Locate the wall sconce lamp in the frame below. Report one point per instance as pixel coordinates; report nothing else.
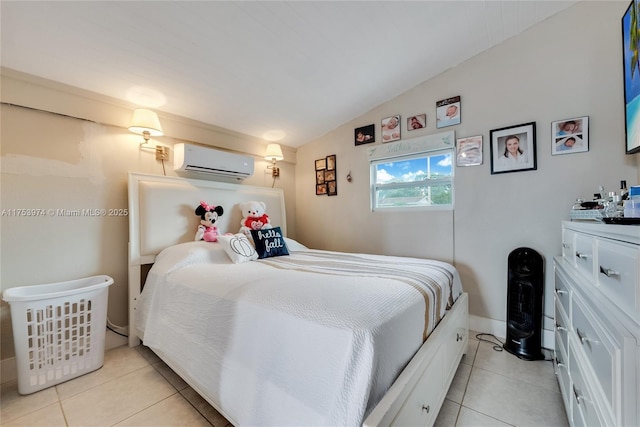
(146, 123)
(274, 153)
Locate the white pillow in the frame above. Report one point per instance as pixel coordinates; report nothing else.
(238, 247)
(190, 253)
(294, 245)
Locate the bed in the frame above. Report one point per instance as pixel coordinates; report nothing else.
(310, 338)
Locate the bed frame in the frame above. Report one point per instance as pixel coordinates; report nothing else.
(161, 214)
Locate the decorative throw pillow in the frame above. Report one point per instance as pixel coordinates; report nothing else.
(238, 247)
(269, 243)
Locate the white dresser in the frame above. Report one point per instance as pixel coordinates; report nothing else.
(597, 315)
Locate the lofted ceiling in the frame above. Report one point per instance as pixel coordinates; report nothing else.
(298, 67)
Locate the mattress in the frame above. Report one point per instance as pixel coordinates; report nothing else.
(313, 338)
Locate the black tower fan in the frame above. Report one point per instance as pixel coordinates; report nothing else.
(524, 304)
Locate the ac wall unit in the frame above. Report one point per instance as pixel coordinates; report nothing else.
(194, 158)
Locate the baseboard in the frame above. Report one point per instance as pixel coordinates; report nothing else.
(499, 328)
(113, 340)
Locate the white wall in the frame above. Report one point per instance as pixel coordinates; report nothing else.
(567, 66)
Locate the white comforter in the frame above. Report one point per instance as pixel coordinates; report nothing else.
(284, 341)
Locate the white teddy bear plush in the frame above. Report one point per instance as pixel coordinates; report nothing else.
(253, 217)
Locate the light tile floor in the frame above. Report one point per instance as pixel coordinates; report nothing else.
(135, 388)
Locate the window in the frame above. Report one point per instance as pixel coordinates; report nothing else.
(422, 180)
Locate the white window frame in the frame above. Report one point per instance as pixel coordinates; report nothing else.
(425, 147)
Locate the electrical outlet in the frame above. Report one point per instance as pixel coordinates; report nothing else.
(162, 153)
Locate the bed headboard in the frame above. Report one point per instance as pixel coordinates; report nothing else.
(161, 210)
(162, 213)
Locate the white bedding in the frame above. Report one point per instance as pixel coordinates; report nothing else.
(281, 341)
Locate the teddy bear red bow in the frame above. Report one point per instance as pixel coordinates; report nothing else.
(254, 217)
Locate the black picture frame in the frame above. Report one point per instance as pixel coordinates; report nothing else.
(502, 160)
(332, 188)
(330, 176)
(364, 134)
(631, 77)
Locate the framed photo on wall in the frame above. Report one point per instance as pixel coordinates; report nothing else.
(326, 182)
(570, 136)
(469, 151)
(332, 188)
(513, 148)
(416, 122)
(391, 129)
(330, 176)
(448, 112)
(365, 134)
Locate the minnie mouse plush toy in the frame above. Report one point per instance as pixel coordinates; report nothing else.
(208, 216)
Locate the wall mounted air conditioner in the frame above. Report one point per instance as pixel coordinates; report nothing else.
(194, 158)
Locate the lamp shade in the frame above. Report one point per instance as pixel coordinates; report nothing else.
(145, 120)
(273, 153)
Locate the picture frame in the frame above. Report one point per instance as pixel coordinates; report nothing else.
(326, 182)
(570, 136)
(364, 134)
(331, 162)
(391, 128)
(469, 151)
(329, 175)
(332, 188)
(631, 78)
(504, 158)
(448, 112)
(418, 121)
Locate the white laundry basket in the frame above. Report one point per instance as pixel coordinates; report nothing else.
(58, 330)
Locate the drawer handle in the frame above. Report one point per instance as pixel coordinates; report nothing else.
(581, 256)
(459, 337)
(608, 272)
(561, 328)
(584, 339)
(559, 363)
(426, 408)
(575, 393)
(561, 292)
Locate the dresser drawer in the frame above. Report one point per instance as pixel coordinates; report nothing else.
(457, 340)
(618, 275)
(602, 354)
(584, 255)
(569, 246)
(584, 412)
(561, 366)
(562, 325)
(420, 407)
(562, 292)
